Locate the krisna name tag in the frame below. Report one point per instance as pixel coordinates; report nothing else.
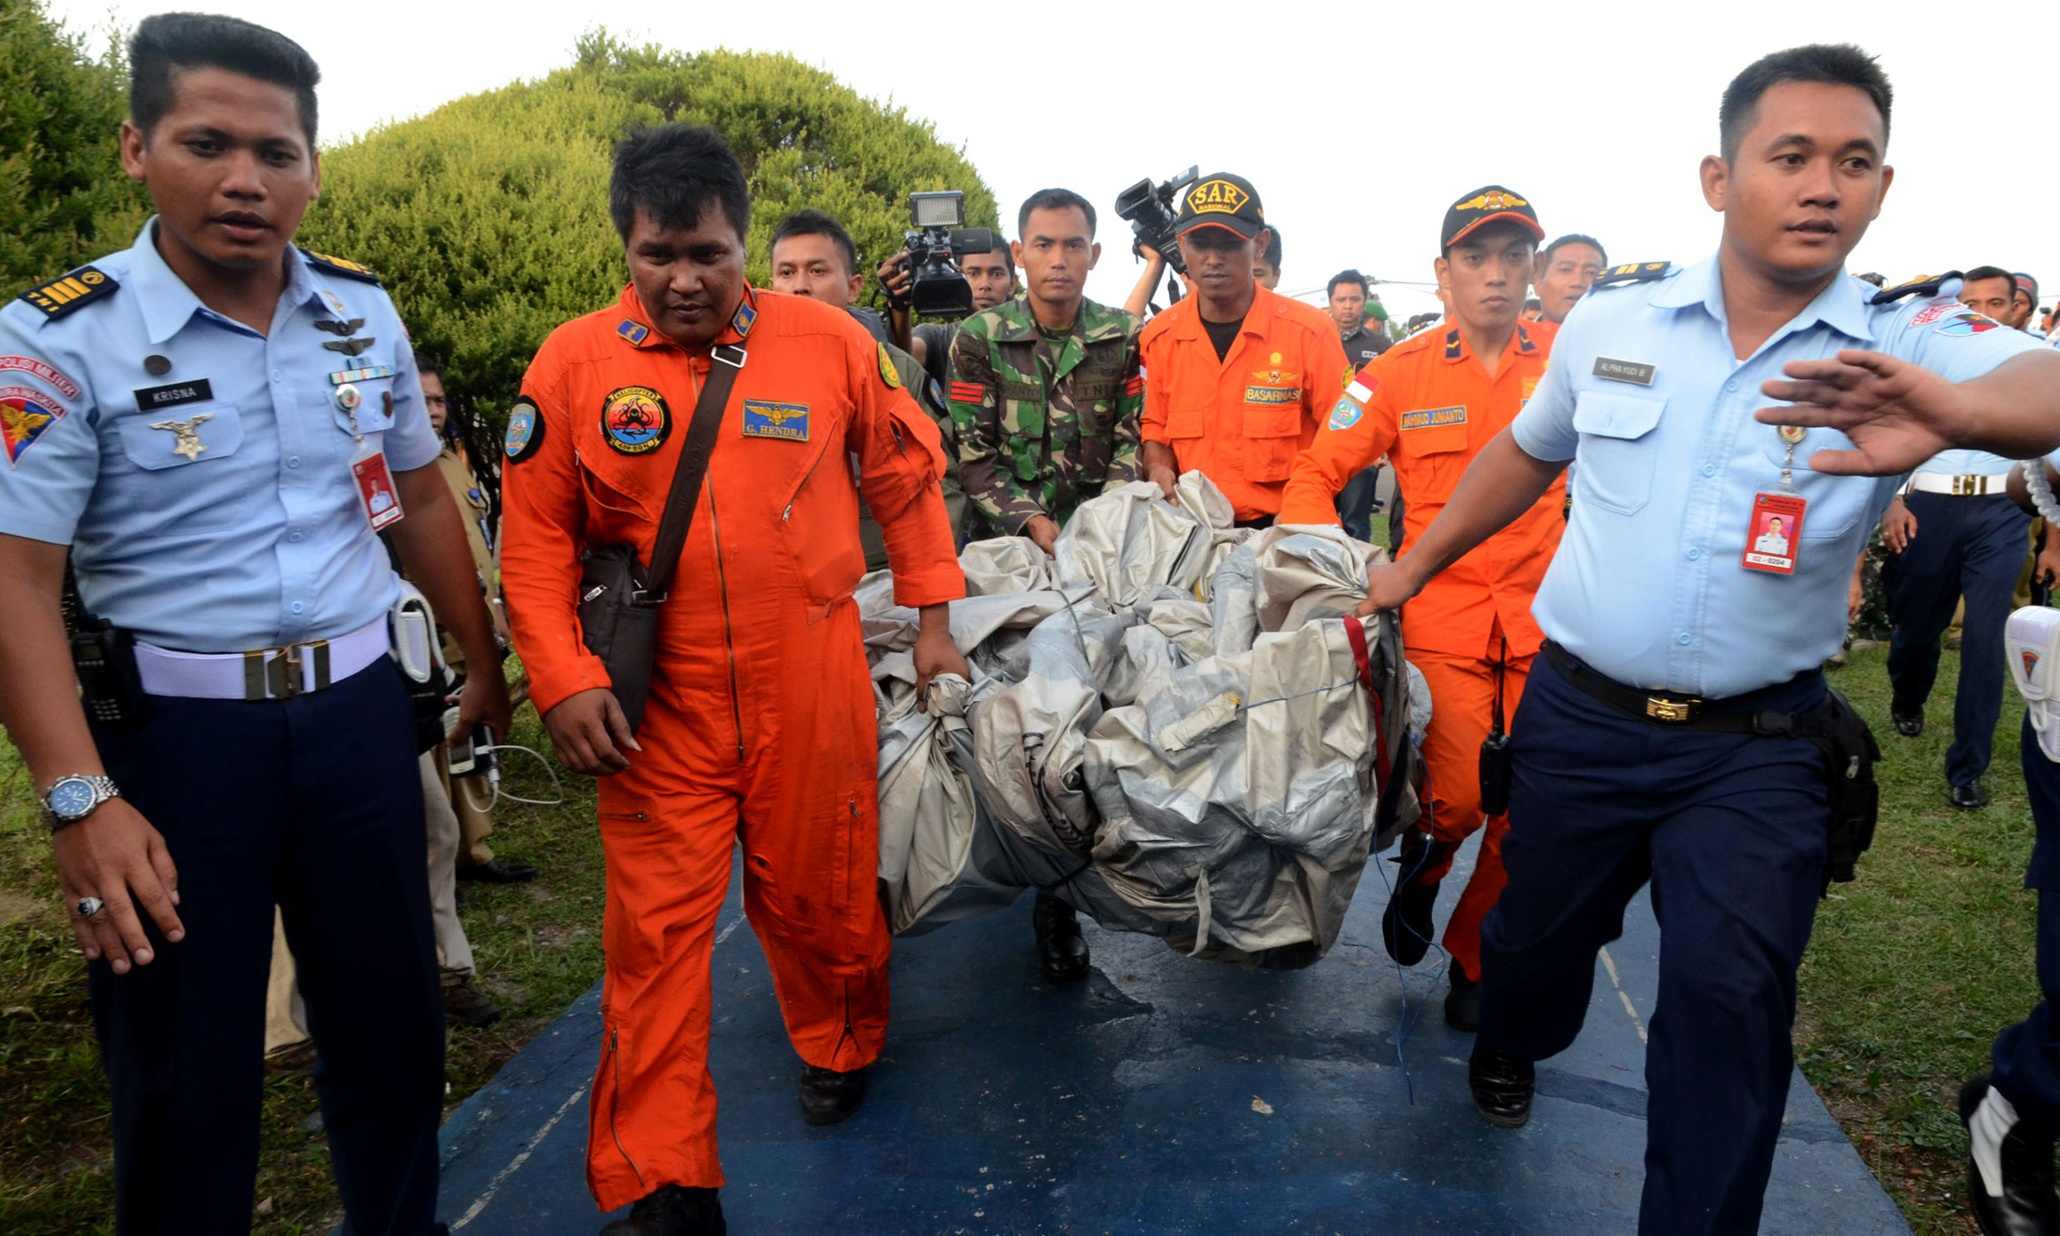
(1774, 533)
(382, 502)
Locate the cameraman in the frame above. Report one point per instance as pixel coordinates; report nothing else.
(813, 256)
(1046, 395)
(1237, 376)
(991, 275)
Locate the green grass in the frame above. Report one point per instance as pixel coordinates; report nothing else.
(538, 948)
(1912, 971)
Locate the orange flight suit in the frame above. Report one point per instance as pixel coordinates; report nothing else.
(1241, 420)
(1430, 406)
(760, 723)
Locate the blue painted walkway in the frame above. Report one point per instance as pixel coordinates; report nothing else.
(1160, 1096)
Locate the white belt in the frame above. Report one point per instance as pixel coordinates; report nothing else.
(1958, 486)
(262, 673)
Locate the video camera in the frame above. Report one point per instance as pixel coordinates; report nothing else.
(1150, 210)
(937, 288)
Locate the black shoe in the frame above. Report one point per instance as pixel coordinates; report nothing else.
(2026, 1205)
(1061, 949)
(1909, 725)
(1405, 927)
(1969, 797)
(1502, 1086)
(1463, 1002)
(828, 1096)
(498, 871)
(466, 1005)
(673, 1210)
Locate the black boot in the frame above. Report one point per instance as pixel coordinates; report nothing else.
(1406, 926)
(2023, 1202)
(828, 1096)
(1502, 1086)
(1463, 1002)
(672, 1210)
(1061, 949)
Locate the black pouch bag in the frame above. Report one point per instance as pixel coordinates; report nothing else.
(1850, 753)
(620, 597)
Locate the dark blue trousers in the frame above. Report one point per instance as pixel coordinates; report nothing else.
(1355, 504)
(1730, 830)
(2027, 1055)
(1971, 547)
(313, 804)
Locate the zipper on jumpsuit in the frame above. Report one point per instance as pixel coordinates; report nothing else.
(615, 1102)
(722, 579)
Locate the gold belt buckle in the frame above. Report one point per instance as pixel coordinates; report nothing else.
(1668, 710)
(1968, 486)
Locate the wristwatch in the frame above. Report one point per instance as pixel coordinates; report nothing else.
(73, 798)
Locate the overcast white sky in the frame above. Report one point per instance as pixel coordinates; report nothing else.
(1358, 122)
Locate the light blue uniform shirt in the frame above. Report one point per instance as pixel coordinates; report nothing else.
(257, 538)
(1649, 586)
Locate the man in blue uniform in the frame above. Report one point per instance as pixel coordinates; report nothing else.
(2012, 1113)
(1953, 533)
(213, 422)
(1654, 739)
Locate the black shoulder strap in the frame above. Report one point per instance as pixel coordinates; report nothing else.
(724, 363)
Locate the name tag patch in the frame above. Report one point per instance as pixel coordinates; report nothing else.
(1624, 371)
(153, 398)
(765, 418)
(1433, 418)
(1273, 394)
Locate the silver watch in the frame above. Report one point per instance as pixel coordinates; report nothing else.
(73, 798)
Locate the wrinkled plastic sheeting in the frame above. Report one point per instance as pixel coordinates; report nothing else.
(1005, 564)
(1129, 541)
(1238, 802)
(1306, 573)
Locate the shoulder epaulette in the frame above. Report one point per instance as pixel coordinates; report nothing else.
(339, 266)
(71, 290)
(1923, 285)
(1630, 272)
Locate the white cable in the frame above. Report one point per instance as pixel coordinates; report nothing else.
(2040, 489)
(501, 795)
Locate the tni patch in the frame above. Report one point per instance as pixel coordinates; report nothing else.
(635, 420)
(1433, 418)
(525, 430)
(765, 418)
(25, 416)
(1967, 323)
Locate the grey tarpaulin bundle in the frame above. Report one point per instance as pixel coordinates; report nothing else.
(1175, 726)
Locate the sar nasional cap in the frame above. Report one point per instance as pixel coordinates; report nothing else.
(1221, 200)
(1484, 206)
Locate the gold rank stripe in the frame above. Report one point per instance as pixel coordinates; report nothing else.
(68, 292)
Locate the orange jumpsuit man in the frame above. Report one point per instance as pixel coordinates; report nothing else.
(760, 725)
(1236, 376)
(1430, 404)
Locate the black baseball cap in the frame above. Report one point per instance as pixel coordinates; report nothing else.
(1484, 206)
(1221, 200)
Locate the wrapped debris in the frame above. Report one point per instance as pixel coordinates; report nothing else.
(1176, 726)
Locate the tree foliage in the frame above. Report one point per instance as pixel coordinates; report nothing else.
(488, 220)
(64, 199)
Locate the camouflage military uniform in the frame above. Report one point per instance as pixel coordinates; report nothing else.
(930, 398)
(1043, 423)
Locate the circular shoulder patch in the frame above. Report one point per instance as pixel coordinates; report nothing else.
(1345, 414)
(888, 373)
(635, 420)
(525, 430)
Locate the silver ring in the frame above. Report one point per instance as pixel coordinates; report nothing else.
(89, 906)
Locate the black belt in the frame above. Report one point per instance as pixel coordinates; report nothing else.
(1685, 712)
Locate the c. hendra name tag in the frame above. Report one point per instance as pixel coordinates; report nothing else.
(769, 418)
(1624, 371)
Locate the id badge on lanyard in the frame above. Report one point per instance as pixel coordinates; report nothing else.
(368, 470)
(1773, 534)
